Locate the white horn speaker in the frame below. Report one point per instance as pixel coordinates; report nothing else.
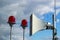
(36, 24)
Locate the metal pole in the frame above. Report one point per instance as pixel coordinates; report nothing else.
(10, 33)
(55, 13)
(53, 27)
(55, 30)
(54, 22)
(23, 33)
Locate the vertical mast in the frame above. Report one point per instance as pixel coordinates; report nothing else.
(54, 22)
(55, 13)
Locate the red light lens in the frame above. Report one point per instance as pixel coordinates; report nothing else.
(11, 19)
(24, 22)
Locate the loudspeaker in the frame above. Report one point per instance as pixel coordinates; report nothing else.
(36, 24)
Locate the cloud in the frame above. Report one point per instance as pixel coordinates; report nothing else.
(43, 10)
(7, 2)
(2, 20)
(17, 32)
(58, 20)
(22, 9)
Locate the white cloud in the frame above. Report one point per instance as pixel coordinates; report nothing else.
(23, 9)
(17, 32)
(42, 9)
(42, 1)
(19, 8)
(57, 11)
(58, 20)
(57, 4)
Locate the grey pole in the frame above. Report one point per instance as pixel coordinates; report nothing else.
(23, 34)
(54, 30)
(54, 23)
(53, 27)
(55, 13)
(10, 33)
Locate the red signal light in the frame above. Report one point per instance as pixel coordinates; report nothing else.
(24, 23)
(11, 19)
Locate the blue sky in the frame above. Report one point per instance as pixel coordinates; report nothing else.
(22, 9)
